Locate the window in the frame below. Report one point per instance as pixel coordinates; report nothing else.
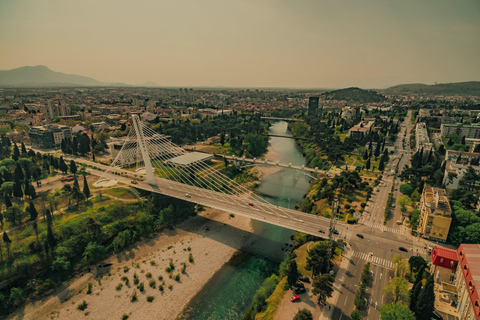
(441, 261)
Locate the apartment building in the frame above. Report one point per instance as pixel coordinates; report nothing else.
(471, 131)
(421, 137)
(454, 172)
(49, 136)
(467, 281)
(435, 216)
(444, 264)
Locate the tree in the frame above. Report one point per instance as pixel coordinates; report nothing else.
(94, 252)
(17, 190)
(16, 296)
(416, 263)
(400, 265)
(426, 300)
(397, 289)
(292, 273)
(403, 200)
(317, 258)
(303, 314)
(395, 311)
(51, 241)
(8, 202)
(16, 152)
(323, 287)
(367, 164)
(365, 155)
(75, 183)
(33, 212)
(67, 190)
(73, 167)
(356, 315)
(381, 165)
(86, 189)
(413, 295)
(60, 264)
(406, 189)
(77, 195)
(13, 214)
(7, 241)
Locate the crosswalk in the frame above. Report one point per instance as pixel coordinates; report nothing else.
(373, 260)
(382, 227)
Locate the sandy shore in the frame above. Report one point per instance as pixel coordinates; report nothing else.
(271, 155)
(212, 238)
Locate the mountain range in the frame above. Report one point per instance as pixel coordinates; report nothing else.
(42, 76)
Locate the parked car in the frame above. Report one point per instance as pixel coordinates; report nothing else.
(300, 290)
(304, 279)
(295, 298)
(250, 204)
(335, 231)
(403, 249)
(360, 235)
(133, 182)
(321, 231)
(299, 285)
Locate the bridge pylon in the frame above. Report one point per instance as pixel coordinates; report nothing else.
(142, 145)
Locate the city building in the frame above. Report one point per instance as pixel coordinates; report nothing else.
(471, 131)
(363, 127)
(454, 172)
(313, 105)
(444, 262)
(99, 126)
(466, 157)
(57, 110)
(49, 136)
(435, 214)
(468, 282)
(421, 137)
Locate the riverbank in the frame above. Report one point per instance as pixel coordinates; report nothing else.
(265, 170)
(212, 238)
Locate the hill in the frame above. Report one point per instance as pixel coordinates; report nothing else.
(353, 95)
(42, 75)
(457, 88)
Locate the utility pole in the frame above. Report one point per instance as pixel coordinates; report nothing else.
(333, 222)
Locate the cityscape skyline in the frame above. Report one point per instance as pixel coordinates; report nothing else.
(271, 44)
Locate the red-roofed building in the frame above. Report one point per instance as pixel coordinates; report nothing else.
(444, 263)
(468, 282)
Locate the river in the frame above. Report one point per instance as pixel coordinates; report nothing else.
(229, 293)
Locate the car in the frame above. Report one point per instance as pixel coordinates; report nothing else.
(299, 285)
(304, 279)
(402, 249)
(335, 231)
(378, 190)
(300, 290)
(360, 235)
(188, 195)
(133, 182)
(321, 231)
(295, 298)
(250, 204)
(67, 178)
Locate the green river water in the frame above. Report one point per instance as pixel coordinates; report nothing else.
(229, 293)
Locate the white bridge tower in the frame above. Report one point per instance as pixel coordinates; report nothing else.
(143, 148)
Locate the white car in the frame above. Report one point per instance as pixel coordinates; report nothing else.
(188, 195)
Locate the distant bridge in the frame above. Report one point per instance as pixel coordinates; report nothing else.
(288, 137)
(283, 119)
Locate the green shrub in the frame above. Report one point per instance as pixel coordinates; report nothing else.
(125, 269)
(125, 279)
(184, 267)
(168, 270)
(153, 263)
(170, 287)
(125, 317)
(82, 306)
(141, 287)
(152, 283)
(177, 277)
(172, 266)
(160, 287)
(134, 296)
(89, 290)
(148, 275)
(150, 298)
(190, 258)
(160, 278)
(119, 287)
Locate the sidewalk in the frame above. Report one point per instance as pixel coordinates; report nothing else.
(337, 286)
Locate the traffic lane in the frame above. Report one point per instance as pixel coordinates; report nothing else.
(344, 305)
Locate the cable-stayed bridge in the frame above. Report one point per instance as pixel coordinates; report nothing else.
(167, 169)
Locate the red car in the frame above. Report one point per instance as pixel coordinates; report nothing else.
(250, 204)
(295, 298)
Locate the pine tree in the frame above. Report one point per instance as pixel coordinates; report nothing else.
(33, 212)
(86, 189)
(381, 165)
(463, 140)
(367, 164)
(17, 190)
(16, 152)
(93, 157)
(426, 300)
(50, 237)
(7, 241)
(413, 294)
(8, 202)
(73, 167)
(292, 273)
(24, 150)
(18, 173)
(75, 183)
(377, 149)
(365, 155)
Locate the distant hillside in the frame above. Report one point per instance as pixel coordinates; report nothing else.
(353, 95)
(457, 88)
(41, 75)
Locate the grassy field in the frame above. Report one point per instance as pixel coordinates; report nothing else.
(122, 193)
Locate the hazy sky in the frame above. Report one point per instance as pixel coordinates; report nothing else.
(267, 43)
